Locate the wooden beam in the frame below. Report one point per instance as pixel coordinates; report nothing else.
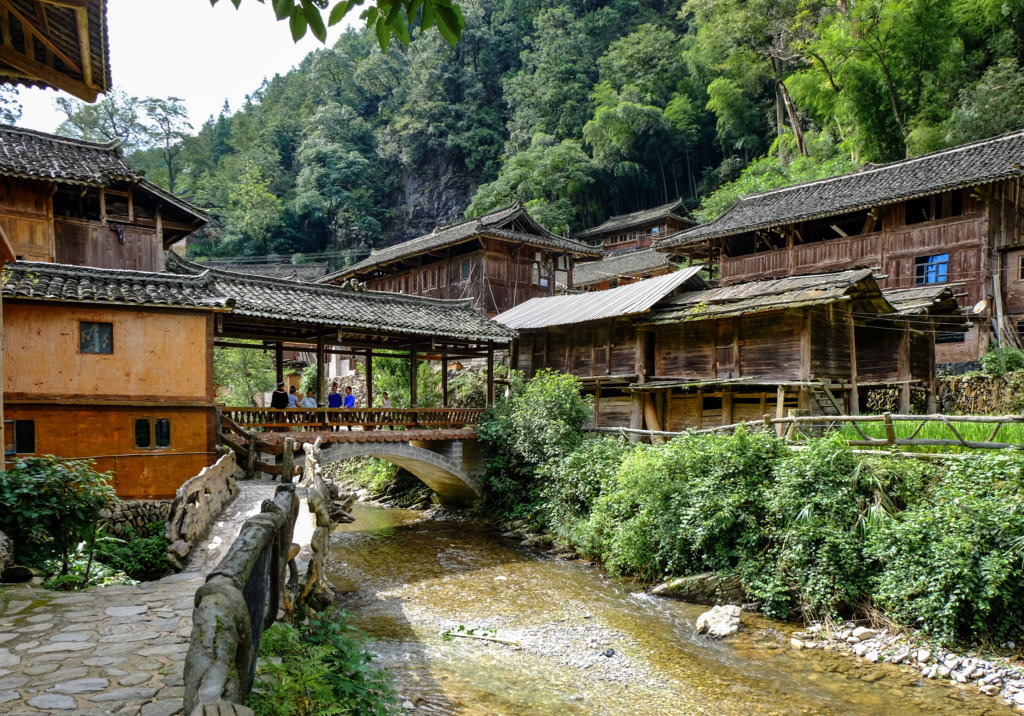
(279, 362)
(84, 47)
(31, 31)
(369, 377)
(444, 381)
(852, 339)
(490, 374)
(319, 370)
(413, 402)
(903, 368)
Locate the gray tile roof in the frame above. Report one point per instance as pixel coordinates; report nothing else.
(513, 223)
(629, 300)
(295, 272)
(621, 221)
(348, 309)
(626, 264)
(932, 298)
(60, 282)
(771, 295)
(968, 165)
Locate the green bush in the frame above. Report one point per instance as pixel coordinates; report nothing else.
(48, 505)
(318, 668)
(141, 557)
(541, 421)
(953, 562)
(1002, 360)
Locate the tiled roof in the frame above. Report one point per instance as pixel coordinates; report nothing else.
(673, 208)
(771, 295)
(627, 264)
(60, 282)
(932, 298)
(968, 165)
(629, 300)
(296, 272)
(345, 308)
(37, 155)
(508, 223)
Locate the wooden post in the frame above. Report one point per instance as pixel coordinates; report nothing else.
(288, 460)
(279, 361)
(636, 415)
(804, 401)
(444, 381)
(490, 373)
(854, 392)
(369, 377)
(780, 402)
(320, 357)
(597, 404)
(931, 405)
(903, 369)
(890, 432)
(250, 463)
(413, 370)
(726, 408)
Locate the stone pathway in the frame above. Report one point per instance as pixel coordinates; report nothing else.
(111, 650)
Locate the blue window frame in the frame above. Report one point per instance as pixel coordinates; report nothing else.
(931, 269)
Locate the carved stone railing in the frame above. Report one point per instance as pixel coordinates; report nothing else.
(238, 601)
(196, 506)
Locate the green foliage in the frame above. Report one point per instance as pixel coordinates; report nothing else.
(319, 668)
(245, 373)
(541, 421)
(48, 505)
(391, 376)
(142, 557)
(1002, 360)
(952, 563)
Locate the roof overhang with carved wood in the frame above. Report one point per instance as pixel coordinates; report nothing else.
(60, 44)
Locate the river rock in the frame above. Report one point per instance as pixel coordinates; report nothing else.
(705, 588)
(863, 633)
(923, 655)
(16, 573)
(720, 622)
(6, 551)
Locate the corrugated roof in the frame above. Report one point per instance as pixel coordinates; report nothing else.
(354, 310)
(627, 264)
(673, 208)
(771, 295)
(501, 223)
(959, 167)
(635, 298)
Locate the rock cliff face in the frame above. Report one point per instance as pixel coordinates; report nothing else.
(429, 195)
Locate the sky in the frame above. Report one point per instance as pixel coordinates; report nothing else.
(188, 49)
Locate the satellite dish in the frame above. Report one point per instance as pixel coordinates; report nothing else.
(980, 306)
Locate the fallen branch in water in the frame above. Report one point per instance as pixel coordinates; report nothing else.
(484, 633)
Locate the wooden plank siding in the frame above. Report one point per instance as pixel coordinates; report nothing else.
(26, 216)
(90, 243)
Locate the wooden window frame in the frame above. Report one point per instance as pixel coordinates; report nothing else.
(81, 327)
(1020, 267)
(11, 433)
(925, 265)
(152, 420)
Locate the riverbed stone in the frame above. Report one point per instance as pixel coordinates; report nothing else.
(165, 707)
(923, 655)
(705, 588)
(81, 686)
(6, 696)
(720, 622)
(126, 611)
(53, 702)
(126, 694)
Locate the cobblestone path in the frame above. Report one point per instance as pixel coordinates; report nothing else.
(112, 650)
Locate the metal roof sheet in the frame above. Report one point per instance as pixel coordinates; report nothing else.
(637, 297)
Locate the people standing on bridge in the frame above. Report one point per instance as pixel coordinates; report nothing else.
(350, 402)
(279, 401)
(333, 402)
(385, 402)
(309, 402)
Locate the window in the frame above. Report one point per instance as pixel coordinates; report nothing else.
(1020, 269)
(425, 281)
(405, 282)
(950, 338)
(655, 230)
(152, 433)
(444, 275)
(433, 278)
(19, 437)
(931, 269)
(466, 266)
(95, 337)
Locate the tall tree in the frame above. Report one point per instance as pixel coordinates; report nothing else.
(169, 128)
(116, 117)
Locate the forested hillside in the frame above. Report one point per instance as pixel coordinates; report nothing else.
(583, 109)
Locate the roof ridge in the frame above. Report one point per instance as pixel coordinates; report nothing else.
(76, 269)
(113, 145)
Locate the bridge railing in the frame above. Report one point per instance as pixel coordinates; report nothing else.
(352, 418)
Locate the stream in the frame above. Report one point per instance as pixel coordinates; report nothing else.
(590, 644)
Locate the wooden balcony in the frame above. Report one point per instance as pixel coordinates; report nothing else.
(325, 419)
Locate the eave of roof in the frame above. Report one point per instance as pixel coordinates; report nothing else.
(619, 221)
(629, 300)
(628, 264)
(973, 164)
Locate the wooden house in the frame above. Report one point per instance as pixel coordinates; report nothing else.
(111, 365)
(700, 356)
(621, 270)
(639, 229)
(498, 260)
(951, 218)
(74, 202)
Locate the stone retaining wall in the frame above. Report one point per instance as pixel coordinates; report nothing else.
(133, 516)
(979, 394)
(196, 506)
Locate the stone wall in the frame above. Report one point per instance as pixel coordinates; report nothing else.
(979, 394)
(196, 506)
(133, 516)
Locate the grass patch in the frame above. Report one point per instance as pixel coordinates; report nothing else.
(972, 432)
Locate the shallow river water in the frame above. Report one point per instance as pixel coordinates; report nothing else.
(590, 644)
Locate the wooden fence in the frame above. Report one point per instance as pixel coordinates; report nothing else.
(352, 418)
(798, 427)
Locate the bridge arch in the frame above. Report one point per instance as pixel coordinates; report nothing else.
(446, 475)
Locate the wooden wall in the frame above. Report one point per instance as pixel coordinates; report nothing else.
(592, 349)
(877, 353)
(26, 216)
(90, 243)
(105, 434)
(157, 354)
(830, 343)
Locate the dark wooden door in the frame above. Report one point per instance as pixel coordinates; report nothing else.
(725, 349)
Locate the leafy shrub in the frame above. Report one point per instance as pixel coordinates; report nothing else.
(953, 562)
(141, 557)
(48, 505)
(688, 506)
(1002, 360)
(318, 668)
(541, 421)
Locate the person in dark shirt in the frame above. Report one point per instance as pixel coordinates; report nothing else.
(279, 401)
(333, 401)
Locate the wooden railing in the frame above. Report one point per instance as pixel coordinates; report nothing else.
(351, 418)
(798, 427)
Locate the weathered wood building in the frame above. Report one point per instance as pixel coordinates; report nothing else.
(639, 229)
(621, 269)
(952, 218)
(696, 356)
(498, 260)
